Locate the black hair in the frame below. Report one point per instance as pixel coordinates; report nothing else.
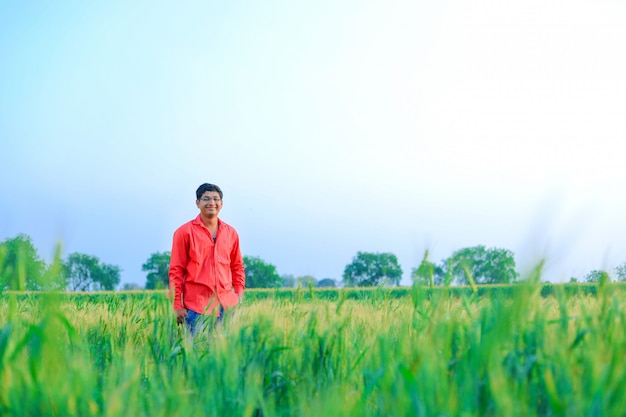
(208, 187)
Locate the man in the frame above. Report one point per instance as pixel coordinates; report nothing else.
(206, 268)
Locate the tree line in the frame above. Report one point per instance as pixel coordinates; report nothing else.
(21, 268)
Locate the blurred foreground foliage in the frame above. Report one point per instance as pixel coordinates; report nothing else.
(520, 350)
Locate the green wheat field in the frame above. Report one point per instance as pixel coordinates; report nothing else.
(519, 352)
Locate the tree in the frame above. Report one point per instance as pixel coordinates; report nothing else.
(485, 266)
(81, 271)
(54, 277)
(86, 273)
(326, 283)
(21, 268)
(371, 269)
(597, 275)
(109, 277)
(260, 274)
(426, 272)
(620, 272)
(157, 267)
(305, 280)
(130, 286)
(289, 281)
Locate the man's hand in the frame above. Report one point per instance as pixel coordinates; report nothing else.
(181, 315)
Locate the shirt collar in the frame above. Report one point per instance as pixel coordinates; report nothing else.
(198, 221)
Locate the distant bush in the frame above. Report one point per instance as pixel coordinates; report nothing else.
(332, 294)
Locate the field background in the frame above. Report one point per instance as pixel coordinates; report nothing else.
(515, 350)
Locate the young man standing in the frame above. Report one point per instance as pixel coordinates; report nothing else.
(206, 268)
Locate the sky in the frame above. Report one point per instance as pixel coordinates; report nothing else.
(332, 126)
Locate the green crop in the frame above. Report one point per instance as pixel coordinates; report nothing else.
(516, 351)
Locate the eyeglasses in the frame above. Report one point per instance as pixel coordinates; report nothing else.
(208, 199)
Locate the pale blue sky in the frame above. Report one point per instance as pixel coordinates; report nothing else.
(332, 127)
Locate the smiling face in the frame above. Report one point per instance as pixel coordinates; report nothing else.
(210, 203)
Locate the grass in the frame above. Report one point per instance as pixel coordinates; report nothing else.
(425, 354)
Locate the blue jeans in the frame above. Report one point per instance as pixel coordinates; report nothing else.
(193, 319)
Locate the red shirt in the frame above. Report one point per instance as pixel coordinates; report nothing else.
(204, 273)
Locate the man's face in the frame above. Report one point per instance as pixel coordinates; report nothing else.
(210, 203)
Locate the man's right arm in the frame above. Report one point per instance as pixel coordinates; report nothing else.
(178, 266)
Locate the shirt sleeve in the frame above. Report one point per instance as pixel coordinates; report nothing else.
(178, 266)
(237, 268)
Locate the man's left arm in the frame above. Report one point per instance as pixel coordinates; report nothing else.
(237, 268)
